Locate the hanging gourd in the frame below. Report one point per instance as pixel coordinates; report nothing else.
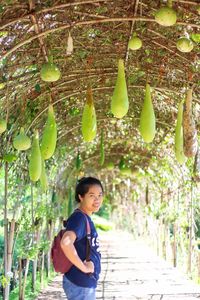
(69, 45)
(166, 16)
(43, 177)
(49, 71)
(78, 162)
(189, 129)
(22, 142)
(124, 169)
(102, 152)
(119, 103)
(147, 118)
(3, 125)
(89, 123)
(179, 136)
(35, 163)
(184, 44)
(49, 137)
(135, 42)
(110, 165)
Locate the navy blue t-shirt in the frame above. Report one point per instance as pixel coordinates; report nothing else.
(77, 223)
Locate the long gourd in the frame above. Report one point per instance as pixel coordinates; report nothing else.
(147, 118)
(35, 163)
(49, 137)
(120, 103)
(179, 136)
(89, 122)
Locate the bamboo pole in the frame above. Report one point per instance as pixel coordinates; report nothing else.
(10, 243)
(7, 287)
(191, 230)
(24, 281)
(42, 270)
(175, 246)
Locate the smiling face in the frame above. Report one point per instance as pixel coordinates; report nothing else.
(92, 200)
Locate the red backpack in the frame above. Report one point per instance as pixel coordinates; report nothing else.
(60, 262)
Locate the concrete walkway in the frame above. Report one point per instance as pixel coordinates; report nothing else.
(131, 271)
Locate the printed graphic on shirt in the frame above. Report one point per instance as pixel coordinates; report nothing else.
(95, 243)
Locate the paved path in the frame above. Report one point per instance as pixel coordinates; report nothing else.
(131, 271)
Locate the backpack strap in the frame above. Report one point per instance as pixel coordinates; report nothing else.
(88, 235)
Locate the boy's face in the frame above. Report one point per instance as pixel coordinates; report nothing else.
(92, 200)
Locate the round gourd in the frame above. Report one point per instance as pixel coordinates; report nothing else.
(3, 125)
(120, 103)
(35, 163)
(126, 171)
(135, 43)
(184, 44)
(110, 165)
(49, 137)
(49, 71)
(2, 85)
(166, 16)
(22, 141)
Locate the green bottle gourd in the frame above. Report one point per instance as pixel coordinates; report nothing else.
(179, 152)
(147, 118)
(35, 163)
(43, 177)
(49, 137)
(22, 142)
(78, 162)
(49, 71)
(89, 123)
(120, 103)
(3, 125)
(102, 152)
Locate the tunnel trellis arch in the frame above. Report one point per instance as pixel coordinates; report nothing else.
(100, 31)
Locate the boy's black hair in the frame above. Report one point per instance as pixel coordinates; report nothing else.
(84, 184)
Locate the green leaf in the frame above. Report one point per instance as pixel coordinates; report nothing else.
(38, 88)
(195, 37)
